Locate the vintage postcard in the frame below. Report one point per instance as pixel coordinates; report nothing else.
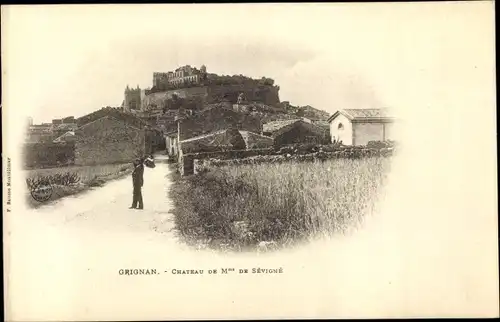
(249, 161)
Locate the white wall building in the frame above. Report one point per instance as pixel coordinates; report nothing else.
(359, 126)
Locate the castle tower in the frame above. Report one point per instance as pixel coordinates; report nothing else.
(132, 99)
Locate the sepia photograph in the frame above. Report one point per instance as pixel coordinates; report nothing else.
(249, 161)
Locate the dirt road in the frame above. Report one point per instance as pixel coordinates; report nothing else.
(105, 209)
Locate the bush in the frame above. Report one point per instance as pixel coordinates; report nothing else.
(380, 144)
(64, 179)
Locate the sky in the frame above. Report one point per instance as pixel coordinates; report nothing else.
(71, 60)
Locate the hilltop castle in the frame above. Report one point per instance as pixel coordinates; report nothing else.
(184, 74)
(188, 81)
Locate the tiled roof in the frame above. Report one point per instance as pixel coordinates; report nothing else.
(66, 126)
(103, 118)
(115, 113)
(67, 134)
(367, 113)
(274, 126)
(204, 136)
(363, 114)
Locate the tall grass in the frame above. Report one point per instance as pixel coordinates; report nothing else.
(242, 206)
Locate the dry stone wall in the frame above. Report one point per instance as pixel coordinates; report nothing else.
(43, 155)
(200, 165)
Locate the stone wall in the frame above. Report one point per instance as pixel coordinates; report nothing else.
(266, 94)
(195, 162)
(44, 155)
(201, 164)
(108, 140)
(210, 94)
(159, 98)
(187, 161)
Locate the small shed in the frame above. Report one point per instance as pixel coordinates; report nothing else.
(359, 126)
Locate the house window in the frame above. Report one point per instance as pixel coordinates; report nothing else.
(341, 126)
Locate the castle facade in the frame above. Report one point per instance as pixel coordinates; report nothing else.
(184, 74)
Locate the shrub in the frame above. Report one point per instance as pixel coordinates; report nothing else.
(64, 179)
(380, 144)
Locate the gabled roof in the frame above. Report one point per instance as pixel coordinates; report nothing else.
(274, 126)
(228, 139)
(367, 114)
(66, 127)
(216, 119)
(111, 118)
(67, 134)
(277, 128)
(204, 136)
(115, 113)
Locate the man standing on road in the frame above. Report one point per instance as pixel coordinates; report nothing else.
(138, 181)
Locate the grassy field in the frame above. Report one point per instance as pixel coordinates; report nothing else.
(89, 176)
(244, 206)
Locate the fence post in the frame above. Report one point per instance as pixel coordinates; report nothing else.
(187, 165)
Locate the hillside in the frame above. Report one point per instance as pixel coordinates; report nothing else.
(308, 112)
(270, 113)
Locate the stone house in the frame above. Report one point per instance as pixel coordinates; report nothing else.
(359, 126)
(108, 140)
(295, 131)
(37, 133)
(66, 137)
(217, 119)
(60, 129)
(222, 140)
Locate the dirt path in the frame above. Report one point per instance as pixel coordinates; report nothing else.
(105, 209)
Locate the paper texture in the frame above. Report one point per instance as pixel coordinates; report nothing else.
(430, 250)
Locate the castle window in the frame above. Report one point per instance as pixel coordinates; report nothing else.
(341, 126)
